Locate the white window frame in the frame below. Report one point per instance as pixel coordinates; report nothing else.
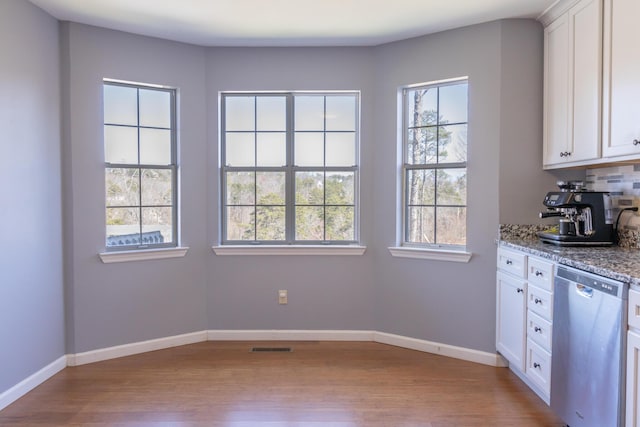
(145, 250)
(406, 248)
(289, 245)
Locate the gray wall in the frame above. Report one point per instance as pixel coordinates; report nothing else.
(325, 292)
(31, 285)
(113, 304)
(442, 301)
(439, 301)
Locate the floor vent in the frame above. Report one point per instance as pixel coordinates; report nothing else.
(271, 349)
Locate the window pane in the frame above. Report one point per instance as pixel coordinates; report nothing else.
(123, 226)
(270, 223)
(309, 149)
(309, 113)
(272, 113)
(453, 103)
(420, 225)
(157, 225)
(341, 149)
(155, 147)
(309, 223)
(421, 146)
(120, 145)
(122, 185)
(340, 187)
(155, 108)
(240, 149)
(270, 188)
(452, 226)
(452, 187)
(340, 223)
(341, 113)
(240, 221)
(240, 113)
(272, 149)
(240, 188)
(120, 105)
(420, 187)
(422, 107)
(309, 188)
(452, 144)
(157, 187)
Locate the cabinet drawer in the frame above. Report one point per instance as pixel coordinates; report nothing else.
(539, 330)
(513, 262)
(540, 273)
(634, 309)
(540, 302)
(539, 366)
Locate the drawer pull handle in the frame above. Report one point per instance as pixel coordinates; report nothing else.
(520, 290)
(536, 365)
(537, 329)
(538, 301)
(509, 262)
(538, 273)
(636, 142)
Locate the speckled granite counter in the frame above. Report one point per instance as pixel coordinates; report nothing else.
(614, 262)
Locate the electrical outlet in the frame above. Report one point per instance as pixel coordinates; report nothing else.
(282, 296)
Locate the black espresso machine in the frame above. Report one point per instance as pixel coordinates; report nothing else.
(585, 217)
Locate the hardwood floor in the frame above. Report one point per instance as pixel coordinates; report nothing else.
(317, 384)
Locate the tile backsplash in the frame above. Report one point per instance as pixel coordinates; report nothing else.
(623, 182)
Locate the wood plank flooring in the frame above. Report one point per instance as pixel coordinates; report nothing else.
(317, 384)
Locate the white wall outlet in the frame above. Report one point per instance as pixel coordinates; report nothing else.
(282, 296)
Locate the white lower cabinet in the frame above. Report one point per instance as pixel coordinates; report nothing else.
(633, 361)
(524, 316)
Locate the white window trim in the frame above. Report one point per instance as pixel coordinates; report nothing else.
(340, 250)
(431, 254)
(142, 254)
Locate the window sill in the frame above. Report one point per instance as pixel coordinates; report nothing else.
(288, 250)
(142, 255)
(432, 254)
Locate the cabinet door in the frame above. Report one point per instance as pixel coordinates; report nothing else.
(511, 322)
(585, 74)
(621, 79)
(633, 380)
(573, 77)
(556, 89)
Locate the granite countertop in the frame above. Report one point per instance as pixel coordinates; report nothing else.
(617, 263)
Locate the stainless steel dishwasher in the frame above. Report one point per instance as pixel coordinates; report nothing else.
(588, 349)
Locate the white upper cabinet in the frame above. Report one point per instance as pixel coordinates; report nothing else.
(621, 90)
(572, 82)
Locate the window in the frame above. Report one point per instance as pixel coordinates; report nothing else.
(435, 164)
(140, 166)
(289, 168)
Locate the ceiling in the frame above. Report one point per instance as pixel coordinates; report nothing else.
(288, 22)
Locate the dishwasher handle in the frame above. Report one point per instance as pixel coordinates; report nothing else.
(584, 291)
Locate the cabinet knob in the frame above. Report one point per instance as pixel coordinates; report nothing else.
(538, 273)
(537, 301)
(509, 262)
(536, 365)
(636, 142)
(537, 329)
(519, 290)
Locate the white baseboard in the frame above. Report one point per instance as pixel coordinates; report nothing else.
(462, 353)
(288, 335)
(135, 348)
(31, 382)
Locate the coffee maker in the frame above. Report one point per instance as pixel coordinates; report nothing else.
(585, 217)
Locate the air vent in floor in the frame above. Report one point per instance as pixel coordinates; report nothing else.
(271, 349)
